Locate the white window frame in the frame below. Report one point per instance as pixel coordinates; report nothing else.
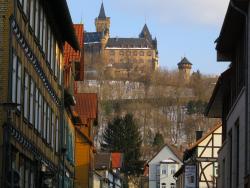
(19, 84)
(49, 43)
(44, 32)
(52, 56)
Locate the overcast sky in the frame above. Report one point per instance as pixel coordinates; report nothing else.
(182, 27)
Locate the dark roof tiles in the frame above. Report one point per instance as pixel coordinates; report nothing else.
(92, 37)
(102, 14)
(128, 43)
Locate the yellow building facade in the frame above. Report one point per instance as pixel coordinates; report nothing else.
(32, 36)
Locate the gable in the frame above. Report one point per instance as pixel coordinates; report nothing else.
(164, 154)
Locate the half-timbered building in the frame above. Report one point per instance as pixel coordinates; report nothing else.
(32, 36)
(201, 161)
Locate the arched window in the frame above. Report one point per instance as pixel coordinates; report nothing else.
(172, 185)
(163, 185)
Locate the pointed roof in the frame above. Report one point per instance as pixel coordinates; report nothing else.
(145, 33)
(102, 14)
(184, 61)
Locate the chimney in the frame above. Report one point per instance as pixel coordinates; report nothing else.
(198, 135)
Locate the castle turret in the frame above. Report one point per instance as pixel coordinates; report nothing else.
(102, 22)
(145, 33)
(185, 67)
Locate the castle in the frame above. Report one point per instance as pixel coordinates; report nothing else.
(118, 58)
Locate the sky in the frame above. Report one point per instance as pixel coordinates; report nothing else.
(182, 27)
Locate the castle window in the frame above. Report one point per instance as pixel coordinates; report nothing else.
(128, 53)
(121, 52)
(111, 52)
(141, 53)
(149, 53)
(135, 53)
(111, 61)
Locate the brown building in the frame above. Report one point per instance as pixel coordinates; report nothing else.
(32, 36)
(118, 58)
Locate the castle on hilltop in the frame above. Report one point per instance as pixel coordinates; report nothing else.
(118, 58)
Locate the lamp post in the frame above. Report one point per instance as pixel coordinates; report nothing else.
(7, 166)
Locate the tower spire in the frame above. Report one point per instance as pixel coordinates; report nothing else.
(102, 14)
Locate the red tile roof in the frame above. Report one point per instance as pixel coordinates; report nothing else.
(86, 106)
(69, 53)
(116, 160)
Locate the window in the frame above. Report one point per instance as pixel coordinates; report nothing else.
(41, 27)
(60, 69)
(44, 33)
(19, 83)
(14, 73)
(135, 53)
(52, 130)
(172, 185)
(40, 113)
(16, 80)
(112, 52)
(37, 18)
(163, 185)
(44, 118)
(57, 134)
(36, 108)
(26, 94)
(149, 53)
(31, 21)
(57, 60)
(141, 53)
(164, 170)
(121, 53)
(172, 169)
(52, 57)
(31, 97)
(48, 123)
(49, 43)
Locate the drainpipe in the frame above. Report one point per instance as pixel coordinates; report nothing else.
(247, 120)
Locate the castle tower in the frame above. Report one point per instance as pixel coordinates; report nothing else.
(145, 33)
(102, 23)
(185, 67)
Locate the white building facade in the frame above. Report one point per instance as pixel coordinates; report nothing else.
(163, 166)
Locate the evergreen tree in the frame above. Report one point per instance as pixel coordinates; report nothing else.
(122, 135)
(158, 140)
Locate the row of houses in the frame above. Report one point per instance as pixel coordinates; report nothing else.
(46, 126)
(197, 166)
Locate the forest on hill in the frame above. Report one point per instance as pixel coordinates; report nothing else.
(167, 108)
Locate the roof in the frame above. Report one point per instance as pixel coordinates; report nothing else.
(214, 107)
(117, 160)
(102, 161)
(86, 105)
(92, 37)
(70, 54)
(184, 61)
(58, 12)
(102, 14)
(231, 29)
(128, 43)
(179, 172)
(173, 149)
(218, 125)
(145, 33)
